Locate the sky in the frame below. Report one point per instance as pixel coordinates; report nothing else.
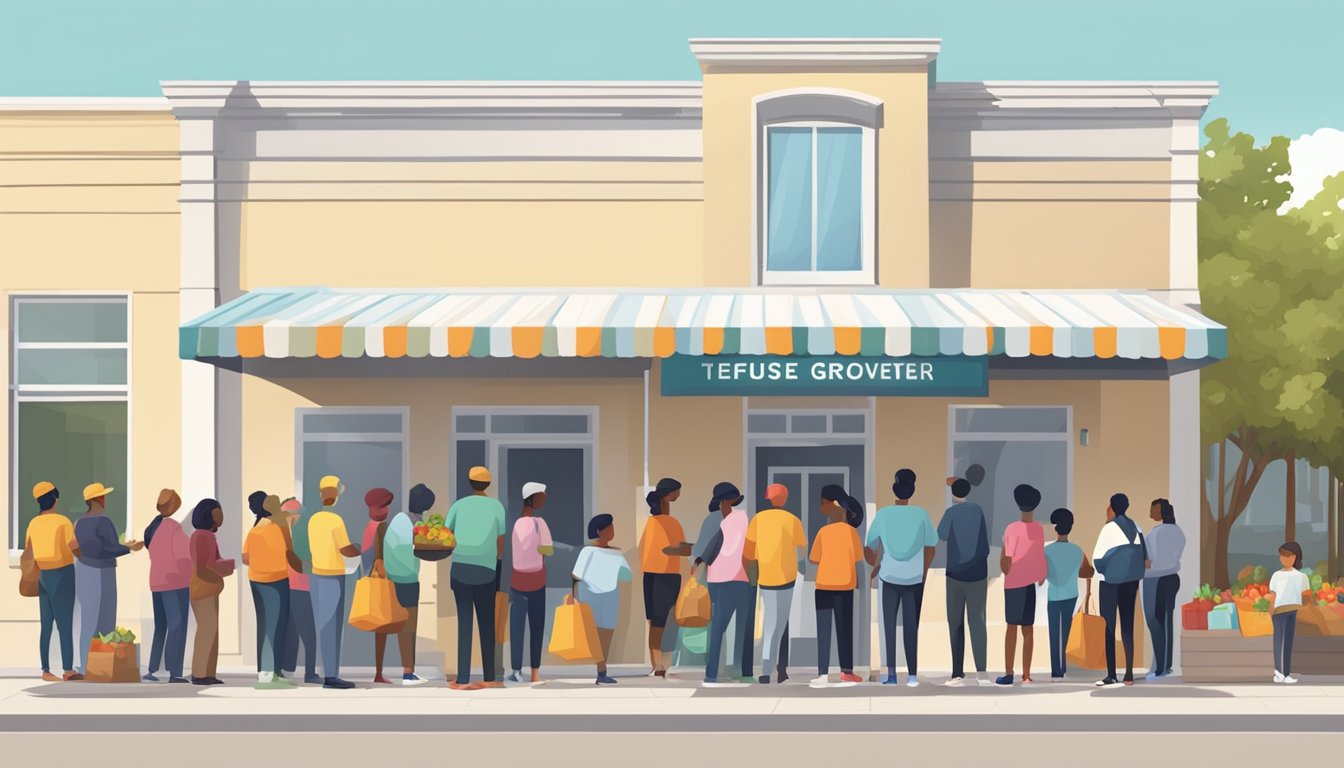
(1275, 62)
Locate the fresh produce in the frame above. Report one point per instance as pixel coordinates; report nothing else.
(430, 533)
(115, 637)
(1261, 605)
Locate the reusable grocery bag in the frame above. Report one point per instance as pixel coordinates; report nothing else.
(28, 573)
(573, 632)
(112, 662)
(1254, 623)
(1087, 637)
(693, 606)
(1223, 616)
(374, 606)
(1195, 615)
(501, 617)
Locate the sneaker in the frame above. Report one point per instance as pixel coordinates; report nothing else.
(889, 680)
(955, 682)
(912, 682)
(178, 680)
(851, 678)
(716, 684)
(312, 679)
(412, 679)
(275, 684)
(1056, 679)
(200, 680)
(516, 676)
(1109, 682)
(984, 681)
(604, 679)
(337, 684)
(1004, 681)
(1290, 680)
(150, 678)
(1278, 676)
(823, 681)
(763, 679)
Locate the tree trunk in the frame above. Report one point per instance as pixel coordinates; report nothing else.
(1222, 535)
(1290, 502)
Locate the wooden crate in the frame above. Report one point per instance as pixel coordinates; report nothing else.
(1224, 656)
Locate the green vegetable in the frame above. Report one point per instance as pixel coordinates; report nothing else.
(1261, 605)
(1316, 582)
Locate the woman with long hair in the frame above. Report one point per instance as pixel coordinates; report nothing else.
(267, 553)
(1161, 581)
(837, 551)
(662, 549)
(208, 571)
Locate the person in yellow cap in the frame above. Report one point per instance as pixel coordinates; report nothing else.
(328, 544)
(50, 544)
(477, 521)
(96, 567)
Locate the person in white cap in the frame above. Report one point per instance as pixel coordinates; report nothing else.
(530, 544)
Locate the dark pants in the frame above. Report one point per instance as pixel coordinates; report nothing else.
(837, 605)
(1059, 618)
(1285, 629)
(966, 612)
(529, 607)
(728, 600)
(56, 607)
(904, 600)
(1119, 598)
(481, 598)
(171, 609)
(271, 601)
(1159, 609)
(301, 630)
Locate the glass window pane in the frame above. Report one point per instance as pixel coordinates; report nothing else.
(473, 424)
(515, 424)
(71, 445)
(839, 199)
(68, 321)
(352, 423)
(470, 453)
(848, 423)
(71, 366)
(767, 422)
(811, 424)
(789, 218)
(1012, 420)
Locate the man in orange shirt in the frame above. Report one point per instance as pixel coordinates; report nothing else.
(776, 540)
(50, 544)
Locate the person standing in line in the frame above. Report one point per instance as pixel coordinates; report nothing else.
(268, 555)
(661, 551)
(1285, 600)
(730, 589)
(208, 571)
(377, 501)
(776, 542)
(837, 551)
(1165, 544)
(477, 521)
(49, 543)
(1119, 557)
(532, 543)
(906, 542)
(964, 529)
(170, 588)
(329, 545)
(395, 558)
(1065, 564)
(301, 630)
(1024, 569)
(598, 573)
(96, 568)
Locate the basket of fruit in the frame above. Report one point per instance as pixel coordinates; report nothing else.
(432, 540)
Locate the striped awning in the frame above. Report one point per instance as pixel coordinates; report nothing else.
(324, 323)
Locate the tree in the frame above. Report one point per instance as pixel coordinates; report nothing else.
(1273, 281)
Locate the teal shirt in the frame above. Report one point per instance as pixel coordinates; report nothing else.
(399, 559)
(477, 522)
(903, 532)
(1062, 561)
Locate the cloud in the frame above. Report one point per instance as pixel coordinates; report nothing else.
(1314, 157)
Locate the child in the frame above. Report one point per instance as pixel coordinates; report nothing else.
(1023, 565)
(597, 574)
(836, 551)
(1285, 598)
(1065, 563)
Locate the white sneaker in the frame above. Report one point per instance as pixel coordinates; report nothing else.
(1290, 680)
(955, 682)
(1056, 679)
(985, 682)
(912, 682)
(820, 682)
(1278, 676)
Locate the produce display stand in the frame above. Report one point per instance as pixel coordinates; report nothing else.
(1224, 656)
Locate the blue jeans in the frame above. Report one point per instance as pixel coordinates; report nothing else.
(271, 601)
(1059, 618)
(301, 630)
(171, 608)
(526, 608)
(56, 606)
(328, 595)
(905, 599)
(1159, 612)
(729, 599)
(96, 592)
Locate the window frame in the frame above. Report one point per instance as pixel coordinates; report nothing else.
(66, 393)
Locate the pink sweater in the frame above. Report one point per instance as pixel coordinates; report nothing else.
(169, 558)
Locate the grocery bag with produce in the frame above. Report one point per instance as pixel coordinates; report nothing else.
(374, 606)
(693, 608)
(1255, 619)
(113, 658)
(1087, 637)
(574, 632)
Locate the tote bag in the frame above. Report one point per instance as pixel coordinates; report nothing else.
(1087, 637)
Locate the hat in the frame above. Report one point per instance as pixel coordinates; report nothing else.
(95, 490)
(291, 505)
(723, 492)
(479, 474)
(775, 490)
(330, 481)
(377, 498)
(531, 489)
(42, 489)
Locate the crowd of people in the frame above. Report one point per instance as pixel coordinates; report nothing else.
(298, 559)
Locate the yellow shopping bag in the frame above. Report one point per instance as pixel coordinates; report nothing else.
(1087, 638)
(374, 606)
(573, 633)
(693, 607)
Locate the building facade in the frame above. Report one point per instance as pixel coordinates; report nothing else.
(247, 285)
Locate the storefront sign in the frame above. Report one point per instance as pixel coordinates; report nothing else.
(763, 375)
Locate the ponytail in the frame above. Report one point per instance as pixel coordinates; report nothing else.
(853, 509)
(665, 487)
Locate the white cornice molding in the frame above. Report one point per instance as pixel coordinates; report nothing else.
(1027, 98)
(813, 54)
(105, 104)
(243, 98)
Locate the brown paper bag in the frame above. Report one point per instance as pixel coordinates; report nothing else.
(113, 662)
(693, 606)
(501, 617)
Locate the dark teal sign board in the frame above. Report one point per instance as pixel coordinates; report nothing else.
(767, 375)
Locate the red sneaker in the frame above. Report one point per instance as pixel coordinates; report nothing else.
(850, 677)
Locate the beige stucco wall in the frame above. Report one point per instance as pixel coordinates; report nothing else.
(902, 171)
(89, 204)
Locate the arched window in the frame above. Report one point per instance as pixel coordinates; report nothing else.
(816, 171)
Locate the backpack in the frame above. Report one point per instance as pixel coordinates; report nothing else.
(1125, 563)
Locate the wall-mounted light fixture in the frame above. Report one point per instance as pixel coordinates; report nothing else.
(1083, 437)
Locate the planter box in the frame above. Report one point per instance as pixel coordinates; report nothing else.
(1224, 656)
